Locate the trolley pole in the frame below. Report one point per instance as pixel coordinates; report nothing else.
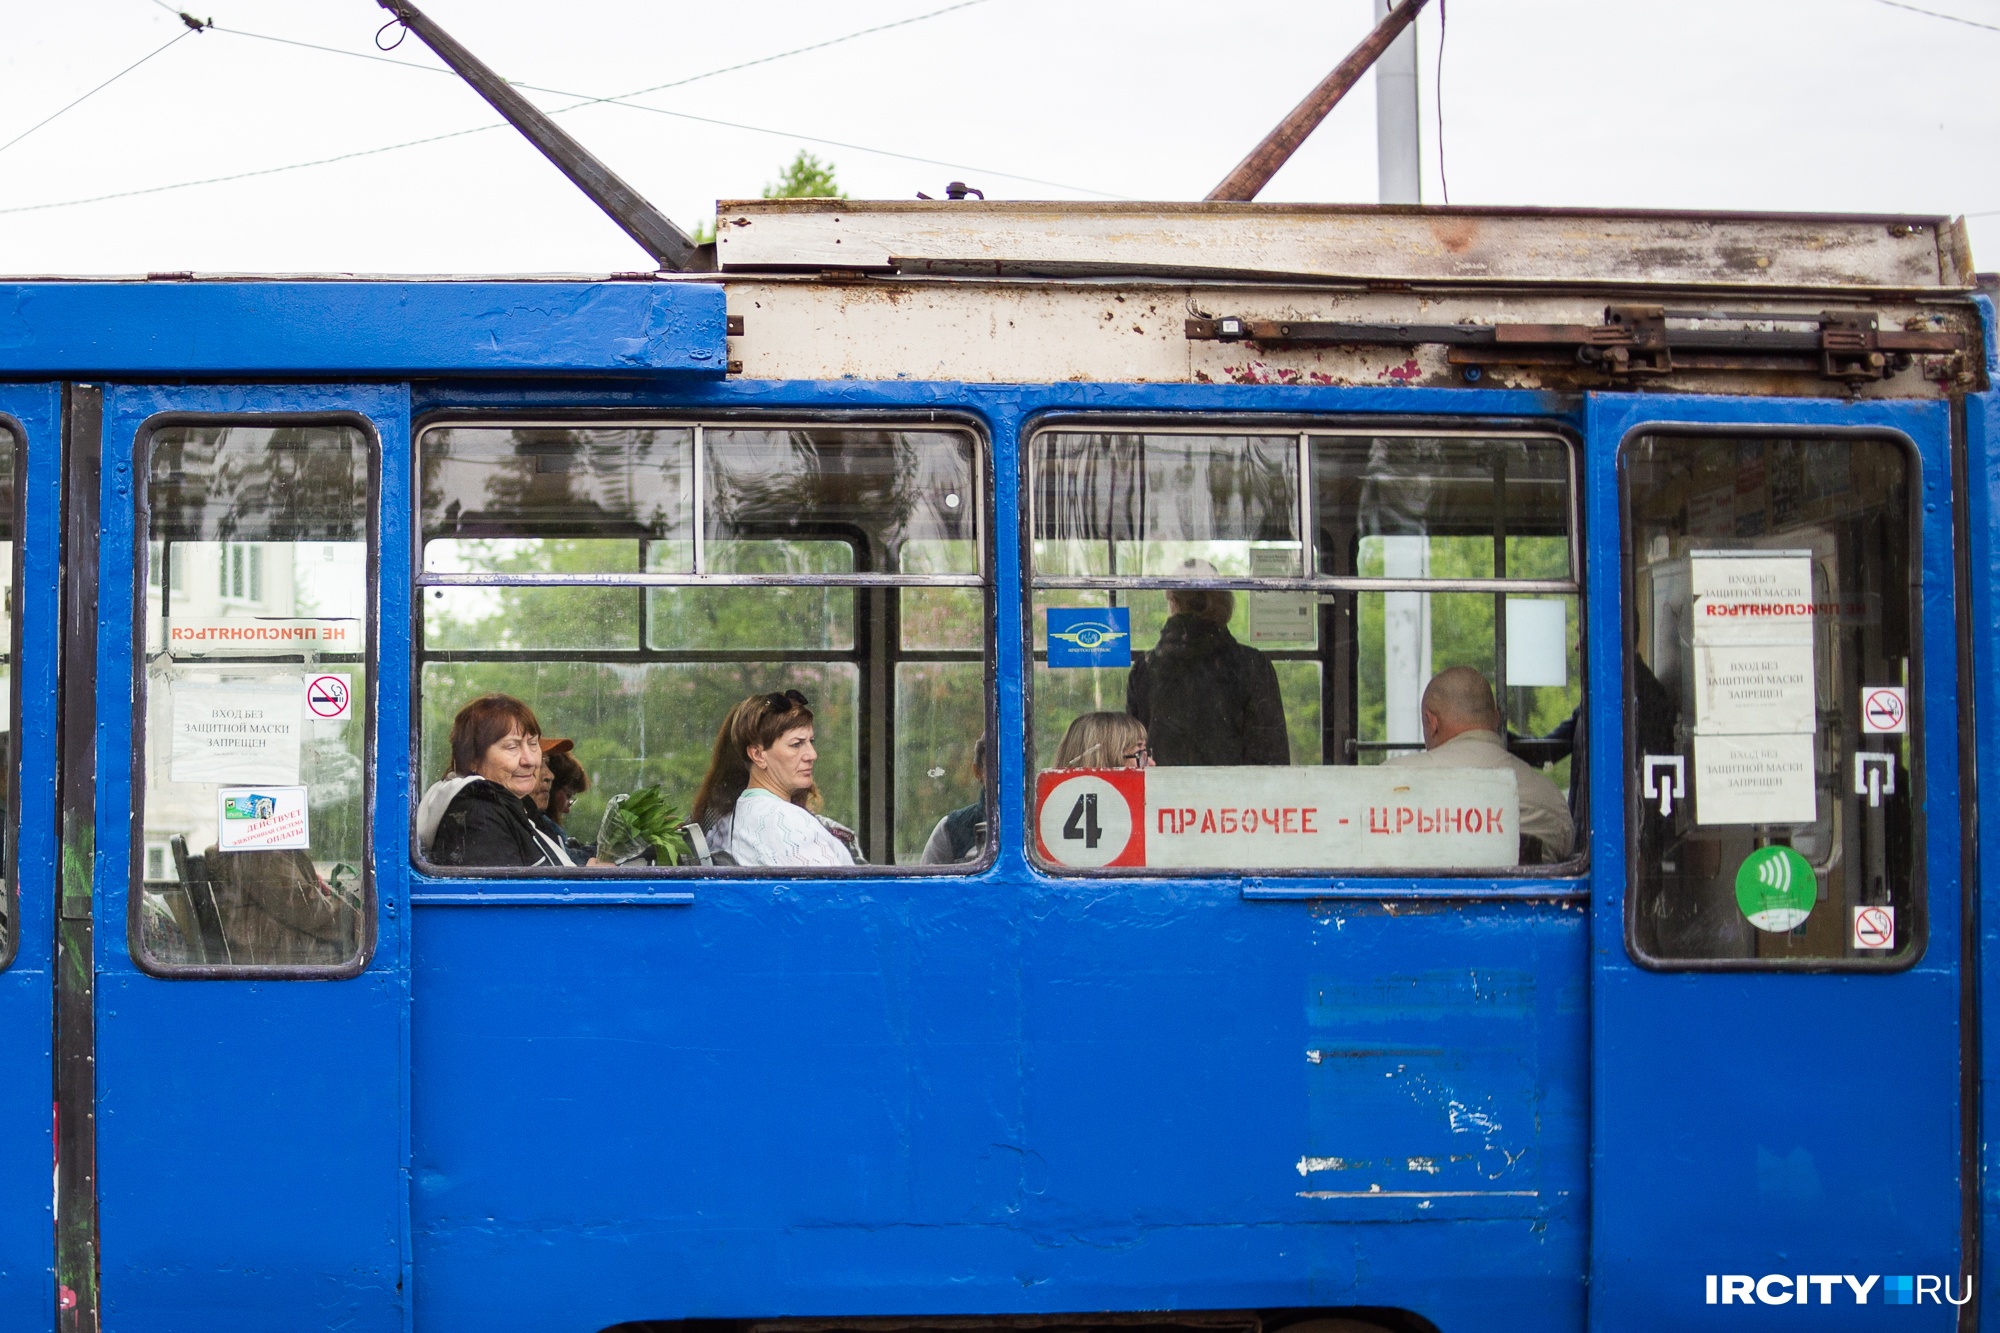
(1398, 149)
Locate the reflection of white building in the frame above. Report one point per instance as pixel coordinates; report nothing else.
(300, 592)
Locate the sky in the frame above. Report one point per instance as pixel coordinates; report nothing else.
(1792, 105)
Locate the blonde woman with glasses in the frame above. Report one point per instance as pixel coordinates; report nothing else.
(1105, 740)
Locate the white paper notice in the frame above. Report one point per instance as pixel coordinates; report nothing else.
(1754, 686)
(1537, 642)
(1751, 688)
(1331, 816)
(261, 819)
(1754, 779)
(1743, 598)
(1278, 617)
(240, 731)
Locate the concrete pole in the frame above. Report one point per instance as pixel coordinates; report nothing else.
(1398, 163)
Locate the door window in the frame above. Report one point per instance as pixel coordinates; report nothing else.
(1774, 757)
(251, 828)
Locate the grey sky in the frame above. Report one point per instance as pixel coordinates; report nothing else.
(1754, 104)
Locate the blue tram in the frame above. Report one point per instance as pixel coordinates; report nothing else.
(1190, 1028)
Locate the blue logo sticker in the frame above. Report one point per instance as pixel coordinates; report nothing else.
(1898, 1290)
(1088, 636)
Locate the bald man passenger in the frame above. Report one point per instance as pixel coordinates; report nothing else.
(1462, 730)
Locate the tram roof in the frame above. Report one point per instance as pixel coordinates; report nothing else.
(1344, 243)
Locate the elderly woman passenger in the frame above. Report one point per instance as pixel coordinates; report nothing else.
(481, 812)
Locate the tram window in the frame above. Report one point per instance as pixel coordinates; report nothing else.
(633, 583)
(1169, 569)
(1774, 779)
(253, 820)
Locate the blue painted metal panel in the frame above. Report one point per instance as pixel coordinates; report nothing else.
(1003, 1093)
(1982, 452)
(252, 1135)
(996, 1096)
(27, 1222)
(1771, 1123)
(321, 330)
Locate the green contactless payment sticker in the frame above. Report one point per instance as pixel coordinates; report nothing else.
(1776, 888)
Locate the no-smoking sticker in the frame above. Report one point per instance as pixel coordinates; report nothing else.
(1885, 710)
(330, 698)
(1874, 928)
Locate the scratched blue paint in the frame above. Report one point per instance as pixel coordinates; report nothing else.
(325, 329)
(1003, 1093)
(33, 412)
(1725, 1106)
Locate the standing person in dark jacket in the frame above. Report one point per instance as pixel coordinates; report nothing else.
(1204, 697)
(481, 813)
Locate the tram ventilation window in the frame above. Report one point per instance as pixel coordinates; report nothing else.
(1258, 616)
(632, 583)
(1774, 771)
(254, 701)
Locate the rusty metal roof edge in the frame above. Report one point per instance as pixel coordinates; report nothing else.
(1135, 207)
(1267, 282)
(1034, 271)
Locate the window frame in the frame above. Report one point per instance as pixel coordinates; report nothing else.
(973, 428)
(10, 822)
(1633, 797)
(1574, 867)
(142, 447)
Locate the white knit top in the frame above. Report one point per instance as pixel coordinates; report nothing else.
(765, 831)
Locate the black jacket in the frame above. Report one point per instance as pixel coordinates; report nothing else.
(487, 825)
(1207, 699)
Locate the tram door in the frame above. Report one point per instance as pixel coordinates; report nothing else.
(251, 997)
(1776, 961)
(30, 502)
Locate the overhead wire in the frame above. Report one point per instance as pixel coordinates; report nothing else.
(1932, 13)
(637, 92)
(1437, 88)
(580, 100)
(188, 31)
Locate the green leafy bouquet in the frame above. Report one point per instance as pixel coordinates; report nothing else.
(639, 821)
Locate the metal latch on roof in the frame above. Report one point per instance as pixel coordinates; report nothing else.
(1634, 341)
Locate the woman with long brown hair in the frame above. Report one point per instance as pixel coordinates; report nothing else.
(757, 801)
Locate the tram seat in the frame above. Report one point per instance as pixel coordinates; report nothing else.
(703, 856)
(200, 889)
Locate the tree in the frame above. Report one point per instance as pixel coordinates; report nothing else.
(806, 178)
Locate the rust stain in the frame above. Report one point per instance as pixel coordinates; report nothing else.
(1456, 234)
(1256, 372)
(1402, 374)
